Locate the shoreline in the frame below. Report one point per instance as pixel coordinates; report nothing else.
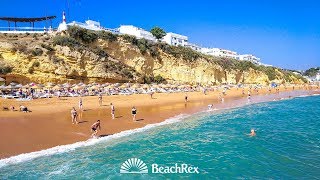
(69, 134)
(93, 141)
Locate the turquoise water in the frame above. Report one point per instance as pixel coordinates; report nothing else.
(287, 146)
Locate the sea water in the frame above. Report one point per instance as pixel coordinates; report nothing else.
(286, 146)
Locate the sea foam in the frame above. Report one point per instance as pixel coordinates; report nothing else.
(71, 147)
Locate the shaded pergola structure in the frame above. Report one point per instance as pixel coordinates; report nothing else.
(27, 20)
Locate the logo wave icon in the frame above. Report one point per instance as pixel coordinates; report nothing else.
(134, 165)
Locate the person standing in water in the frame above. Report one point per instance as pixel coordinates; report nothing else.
(134, 113)
(80, 104)
(94, 128)
(100, 99)
(112, 110)
(74, 116)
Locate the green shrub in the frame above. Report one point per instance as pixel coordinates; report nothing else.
(126, 72)
(108, 36)
(37, 52)
(86, 36)
(270, 72)
(130, 39)
(30, 70)
(143, 45)
(159, 79)
(56, 60)
(100, 52)
(47, 47)
(36, 64)
(66, 41)
(154, 51)
(5, 69)
(147, 79)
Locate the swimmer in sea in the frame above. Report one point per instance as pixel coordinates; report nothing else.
(252, 133)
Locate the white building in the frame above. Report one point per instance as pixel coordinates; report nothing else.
(89, 24)
(175, 39)
(249, 57)
(220, 52)
(137, 32)
(211, 51)
(317, 77)
(193, 46)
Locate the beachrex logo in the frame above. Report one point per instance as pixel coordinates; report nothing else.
(135, 165)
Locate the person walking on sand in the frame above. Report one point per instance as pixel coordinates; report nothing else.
(74, 116)
(112, 110)
(80, 104)
(94, 128)
(134, 113)
(186, 97)
(100, 99)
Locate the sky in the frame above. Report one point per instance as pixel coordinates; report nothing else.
(284, 33)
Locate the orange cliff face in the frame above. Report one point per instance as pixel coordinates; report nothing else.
(36, 59)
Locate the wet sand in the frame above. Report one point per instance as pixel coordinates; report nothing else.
(49, 123)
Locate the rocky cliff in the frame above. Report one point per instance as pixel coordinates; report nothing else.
(110, 58)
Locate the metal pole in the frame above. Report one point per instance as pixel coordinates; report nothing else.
(15, 25)
(9, 25)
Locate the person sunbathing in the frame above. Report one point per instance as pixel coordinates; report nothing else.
(24, 109)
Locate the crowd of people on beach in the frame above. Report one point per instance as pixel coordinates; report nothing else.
(82, 90)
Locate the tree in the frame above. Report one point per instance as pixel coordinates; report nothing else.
(158, 32)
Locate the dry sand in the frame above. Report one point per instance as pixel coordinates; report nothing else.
(49, 123)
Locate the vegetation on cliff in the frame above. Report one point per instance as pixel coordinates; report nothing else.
(82, 54)
(312, 72)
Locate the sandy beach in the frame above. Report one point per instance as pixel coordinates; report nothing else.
(49, 123)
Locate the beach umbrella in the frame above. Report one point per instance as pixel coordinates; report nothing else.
(135, 85)
(66, 85)
(145, 86)
(77, 87)
(56, 87)
(10, 87)
(50, 84)
(2, 80)
(26, 86)
(36, 87)
(19, 86)
(13, 84)
(94, 87)
(123, 86)
(2, 87)
(155, 86)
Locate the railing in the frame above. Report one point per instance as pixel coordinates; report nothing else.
(14, 30)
